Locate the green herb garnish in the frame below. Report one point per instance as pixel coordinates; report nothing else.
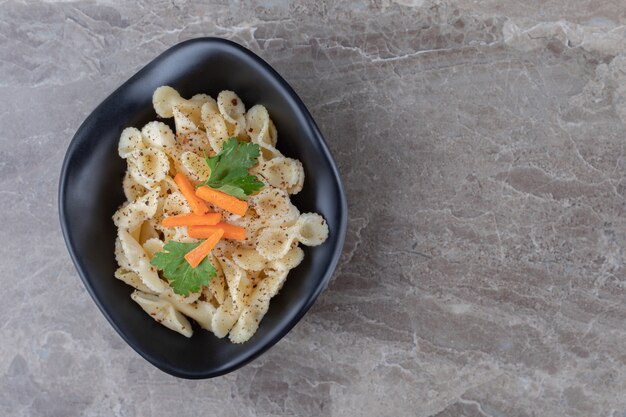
(182, 277)
(229, 169)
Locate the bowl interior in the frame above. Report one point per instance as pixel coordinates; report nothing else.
(90, 192)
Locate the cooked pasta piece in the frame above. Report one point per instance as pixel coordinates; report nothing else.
(148, 231)
(271, 138)
(239, 286)
(257, 123)
(249, 259)
(175, 204)
(163, 312)
(233, 111)
(152, 246)
(130, 141)
(168, 186)
(249, 319)
(292, 258)
(297, 186)
(193, 141)
(311, 229)
(120, 257)
(194, 166)
(281, 172)
(159, 135)
(148, 166)
(230, 106)
(274, 207)
(200, 99)
(201, 311)
(187, 117)
(274, 242)
(209, 107)
(139, 262)
(216, 130)
(164, 99)
(217, 286)
(133, 279)
(133, 214)
(132, 189)
(171, 296)
(224, 318)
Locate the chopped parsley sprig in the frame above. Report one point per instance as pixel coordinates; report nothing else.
(229, 169)
(183, 278)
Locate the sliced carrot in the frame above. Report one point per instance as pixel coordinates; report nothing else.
(222, 200)
(230, 231)
(192, 219)
(195, 256)
(186, 187)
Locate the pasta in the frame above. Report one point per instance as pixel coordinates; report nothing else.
(232, 110)
(148, 166)
(247, 272)
(194, 166)
(132, 278)
(163, 312)
(130, 140)
(159, 135)
(138, 261)
(134, 213)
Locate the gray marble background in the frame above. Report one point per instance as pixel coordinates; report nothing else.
(482, 148)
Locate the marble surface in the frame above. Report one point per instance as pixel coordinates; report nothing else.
(481, 144)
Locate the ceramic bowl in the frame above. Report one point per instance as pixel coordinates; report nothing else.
(90, 191)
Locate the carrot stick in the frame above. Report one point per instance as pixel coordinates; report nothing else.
(230, 231)
(195, 256)
(222, 200)
(186, 187)
(192, 219)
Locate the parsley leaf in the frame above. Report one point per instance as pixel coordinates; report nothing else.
(182, 277)
(229, 169)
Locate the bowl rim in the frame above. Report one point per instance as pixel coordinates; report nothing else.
(256, 351)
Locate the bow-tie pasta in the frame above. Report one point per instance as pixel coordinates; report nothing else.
(233, 111)
(163, 312)
(168, 161)
(148, 166)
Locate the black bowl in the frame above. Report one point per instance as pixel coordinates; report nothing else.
(90, 191)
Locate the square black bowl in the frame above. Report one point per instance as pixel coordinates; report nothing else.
(90, 191)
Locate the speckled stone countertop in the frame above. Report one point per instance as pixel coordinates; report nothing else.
(481, 144)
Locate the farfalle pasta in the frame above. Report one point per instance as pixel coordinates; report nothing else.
(208, 233)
